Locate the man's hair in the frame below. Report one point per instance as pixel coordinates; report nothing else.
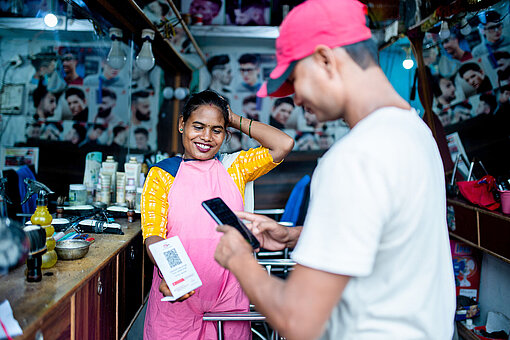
(249, 58)
(217, 60)
(250, 99)
(436, 88)
(284, 100)
(142, 131)
(99, 126)
(55, 125)
(217, 2)
(74, 91)
(80, 130)
(364, 53)
(139, 94)
(489, 16)
(39, 93)
(469, 67)
(118, 129)
(501, 55)
(42, 59)
(490, 100)
(108, 93)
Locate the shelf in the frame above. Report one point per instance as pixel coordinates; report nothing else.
(486, 230)
(128, 16)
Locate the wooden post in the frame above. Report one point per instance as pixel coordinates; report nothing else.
(175, 117)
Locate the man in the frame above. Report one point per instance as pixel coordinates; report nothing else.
(94, 135)
(120, 135)
(251, 13)
(473, 74)
(77, 103)
(105, 114)
(487, 104)
(45, 102)
(140, 107)
(142, 139)
(221, 73)
(249, 67)
(207, 9)
(69, 63)
(77, 134)
(502, 59)
(281, 111)
(491, 28)
(250, 109)
(452, 47)
(109, 76)
(377, 205)
(444, 91)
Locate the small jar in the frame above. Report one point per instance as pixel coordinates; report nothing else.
(77, 194)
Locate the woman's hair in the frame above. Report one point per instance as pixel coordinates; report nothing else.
(207, 97)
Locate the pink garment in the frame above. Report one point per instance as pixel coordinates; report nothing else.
(195, 182)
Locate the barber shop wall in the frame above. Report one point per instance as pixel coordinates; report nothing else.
(62, 136)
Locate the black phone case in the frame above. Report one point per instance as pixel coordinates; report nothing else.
(222, 214)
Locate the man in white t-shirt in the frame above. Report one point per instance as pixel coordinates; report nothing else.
(373, 258)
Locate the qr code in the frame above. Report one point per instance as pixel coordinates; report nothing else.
(172, 258)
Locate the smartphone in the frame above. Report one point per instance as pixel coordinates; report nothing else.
(222, 214)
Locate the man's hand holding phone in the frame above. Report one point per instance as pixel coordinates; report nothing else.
(271, 235)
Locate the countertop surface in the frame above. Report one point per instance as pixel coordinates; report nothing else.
(31, 300)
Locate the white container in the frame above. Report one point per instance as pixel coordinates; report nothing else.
(77, 194)
(132, 170)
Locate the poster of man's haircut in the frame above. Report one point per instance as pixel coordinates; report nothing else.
(204, 12)
(248, 12)
(469, 70)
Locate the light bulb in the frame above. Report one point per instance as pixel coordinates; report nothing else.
(444, 33)
(180, 93)
(145, 59)
(408, 63)
(50, 20)
(465, 29)
(168, 92)
(116, 57)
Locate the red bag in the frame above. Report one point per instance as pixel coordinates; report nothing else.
(480, 192)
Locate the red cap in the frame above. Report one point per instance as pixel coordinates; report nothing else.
(328, 22)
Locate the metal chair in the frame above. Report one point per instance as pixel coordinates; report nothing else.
(236, 316)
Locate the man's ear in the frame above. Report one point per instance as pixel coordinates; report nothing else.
(325, 57)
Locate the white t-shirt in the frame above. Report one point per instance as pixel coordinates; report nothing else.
(377, 213)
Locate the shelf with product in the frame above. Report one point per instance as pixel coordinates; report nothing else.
(486, 230)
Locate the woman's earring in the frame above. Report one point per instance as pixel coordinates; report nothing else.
(180, 130)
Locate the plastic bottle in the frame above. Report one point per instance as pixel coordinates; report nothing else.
(43, 218)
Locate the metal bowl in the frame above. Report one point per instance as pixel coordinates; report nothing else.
(72, 249)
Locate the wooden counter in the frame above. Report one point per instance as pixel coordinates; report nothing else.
(82, 298)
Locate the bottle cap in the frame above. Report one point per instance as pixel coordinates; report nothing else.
(110, 159)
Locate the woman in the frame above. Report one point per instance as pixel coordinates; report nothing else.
(171, 205)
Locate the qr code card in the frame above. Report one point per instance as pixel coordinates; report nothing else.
(175, 266)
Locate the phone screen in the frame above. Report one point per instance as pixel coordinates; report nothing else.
(222, 214)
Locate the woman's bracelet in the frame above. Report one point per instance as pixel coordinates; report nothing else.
(241, 124)
(249, 129)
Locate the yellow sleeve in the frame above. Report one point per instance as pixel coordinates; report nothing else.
(250, 165)
(154, 203)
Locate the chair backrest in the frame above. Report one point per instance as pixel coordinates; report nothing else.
(297, 204)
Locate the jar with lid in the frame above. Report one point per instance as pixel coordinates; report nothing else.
(77, 194)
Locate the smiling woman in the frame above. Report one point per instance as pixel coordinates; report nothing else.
(171, 205)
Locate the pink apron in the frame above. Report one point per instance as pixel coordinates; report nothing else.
(195, 182)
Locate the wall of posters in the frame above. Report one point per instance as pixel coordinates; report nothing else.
(470, 72)
(71, 94)
(237, 76)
